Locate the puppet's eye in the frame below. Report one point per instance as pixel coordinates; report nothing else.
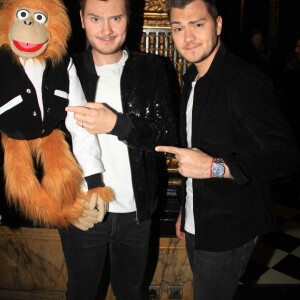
(41, 18)
(22, 14)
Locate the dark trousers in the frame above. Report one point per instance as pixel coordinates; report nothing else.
(85, 251)
(216, 275)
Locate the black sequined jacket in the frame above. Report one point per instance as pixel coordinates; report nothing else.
(147, 119)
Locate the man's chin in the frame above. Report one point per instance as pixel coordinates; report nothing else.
(108, 51)
(192, 59)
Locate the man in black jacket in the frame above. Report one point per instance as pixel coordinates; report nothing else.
(237, 144)
(131, 113)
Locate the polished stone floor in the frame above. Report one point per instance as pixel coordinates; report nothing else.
(276, 259)
(268, 292)
(274, 270)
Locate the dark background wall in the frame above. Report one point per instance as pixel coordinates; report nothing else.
(289, 25)
(236, 24)
(77, 42)
(259, 14)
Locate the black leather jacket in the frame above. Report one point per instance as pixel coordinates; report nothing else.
(147, 119)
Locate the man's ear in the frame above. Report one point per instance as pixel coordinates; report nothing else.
(81, 18)
(219, 25)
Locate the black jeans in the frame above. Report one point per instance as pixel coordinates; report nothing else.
(85, 251)
(216, 274)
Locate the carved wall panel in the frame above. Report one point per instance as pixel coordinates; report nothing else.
(150, 18)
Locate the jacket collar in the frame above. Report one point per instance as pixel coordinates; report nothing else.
(89, 61)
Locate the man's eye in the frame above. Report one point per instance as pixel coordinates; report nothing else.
(94, 19)
(117, 19)
(177, 29)
(198, 25)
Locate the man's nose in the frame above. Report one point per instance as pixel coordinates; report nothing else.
(189, 35)
(106, 29)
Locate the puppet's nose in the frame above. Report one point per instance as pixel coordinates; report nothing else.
(28, 21)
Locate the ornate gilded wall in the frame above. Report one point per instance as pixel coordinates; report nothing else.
(151, 29)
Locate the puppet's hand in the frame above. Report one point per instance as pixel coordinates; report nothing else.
(90, 215)
(99, 198)
(101, 206)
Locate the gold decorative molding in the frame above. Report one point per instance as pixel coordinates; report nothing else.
(155, 14)
(156, 20)
(155, 5)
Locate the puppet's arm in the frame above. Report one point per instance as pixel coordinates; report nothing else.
(86, 149)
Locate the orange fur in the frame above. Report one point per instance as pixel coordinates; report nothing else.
(62, 176)
(59, 25)
(106, 193)
(51, 202)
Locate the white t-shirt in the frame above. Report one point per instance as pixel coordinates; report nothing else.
(115, 157)
(34, 71)
(189, 224)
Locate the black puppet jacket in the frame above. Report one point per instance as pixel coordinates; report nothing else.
(236, 116)
(147, 119)
(20, 115)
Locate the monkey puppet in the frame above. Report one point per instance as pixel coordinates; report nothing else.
(37, 81)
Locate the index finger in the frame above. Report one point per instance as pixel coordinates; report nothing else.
(169, 149)
(78, 109)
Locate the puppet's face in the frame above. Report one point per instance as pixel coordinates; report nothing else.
(28, 34)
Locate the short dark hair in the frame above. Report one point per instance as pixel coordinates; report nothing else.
(210, 4)
(82, 4)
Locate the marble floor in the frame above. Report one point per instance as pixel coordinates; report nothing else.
(268, 292)
(276, 259)
(274, 270)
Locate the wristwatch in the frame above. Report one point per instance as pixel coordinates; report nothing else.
(218, 168)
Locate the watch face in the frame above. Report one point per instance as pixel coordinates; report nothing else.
(218, 170)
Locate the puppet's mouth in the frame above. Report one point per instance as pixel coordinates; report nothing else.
(27, 47)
